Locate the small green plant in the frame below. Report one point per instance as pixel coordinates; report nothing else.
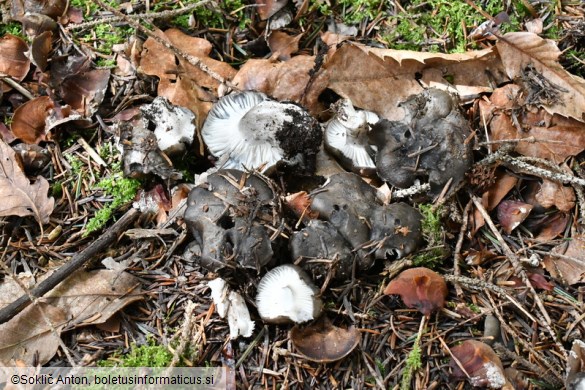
(413, 363)
(433, 233)
(122, 189)
(148, 355)
(106, 36)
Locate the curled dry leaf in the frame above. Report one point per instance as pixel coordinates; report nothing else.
(85, 91)
(323, 342)
(533, 62)
(511, 213)
(502, 184)
(480, 362)
(555, 194)
(13, 60)
(570, 268)
(19, 196)
(283, 45)
(28, 122)
(420, 288)
(52, 8)
(552, 138)
(576, 366)
(40, 48)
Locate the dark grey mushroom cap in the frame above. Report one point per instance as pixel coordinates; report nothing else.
(396, 229)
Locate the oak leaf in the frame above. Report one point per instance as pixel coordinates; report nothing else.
(19, 196)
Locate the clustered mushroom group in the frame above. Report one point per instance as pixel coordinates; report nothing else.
(333, 226)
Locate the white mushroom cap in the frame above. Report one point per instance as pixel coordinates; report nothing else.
(244, 127)
(346, 135)
(287, 294)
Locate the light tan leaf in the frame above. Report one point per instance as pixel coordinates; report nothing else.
(379, 79)
(555, 194)
(267, 8)
(84, 298)
(565, 93)
(555, 137)
(19, 196)
(28, 336)
(571, 267)
(283, 45)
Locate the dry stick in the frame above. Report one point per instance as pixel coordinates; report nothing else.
(195, 61)
(144, 16)
(541, 172)
(521, 272)
(457, 258)
(76, 262)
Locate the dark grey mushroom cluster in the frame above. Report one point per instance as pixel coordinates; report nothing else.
(228, 216)
(354, 229)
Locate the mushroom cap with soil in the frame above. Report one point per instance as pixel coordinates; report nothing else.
(287, 294)
(248, 130)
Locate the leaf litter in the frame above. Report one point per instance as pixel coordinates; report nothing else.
(526, 118)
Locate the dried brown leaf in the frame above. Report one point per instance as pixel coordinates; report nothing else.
(19, 196)
(480, 362)
(85, 91)
(571, 267)
(556, 137)
(565, 92)
(13, 60)
(267, 8)
(555, 194)
(420, 288)
(41, 46)
(28, 122)
(283, 45)
(284, 81)
(379, 79)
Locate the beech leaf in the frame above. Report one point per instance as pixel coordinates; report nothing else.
(19, 196)
(522, 52)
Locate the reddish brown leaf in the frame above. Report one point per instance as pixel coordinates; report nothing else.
(283, 45)
(300, 204)
(40, 48)
(19, 196)
(552, 225)
(511, 213)
(13, 60)
(480, 362)
(324, 342)
(556, 137)
(539, 281)
(420, 288)
(85, 91)
(267, 8)
(28, 122)
(493, 196)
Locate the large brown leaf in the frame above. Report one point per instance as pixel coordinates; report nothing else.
(379, 79)
(527, 56)
(13, 60)
(19, 196)
(84, 298)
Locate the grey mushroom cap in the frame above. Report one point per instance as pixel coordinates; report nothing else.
(287, 294)
(346, 137)
(396, 229)
(430, 145)
(248, 130)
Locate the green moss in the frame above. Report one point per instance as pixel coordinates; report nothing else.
(413, 363)
(13, 28)
(105, 36)
(149, 355)
(431, 224)
(121, 189)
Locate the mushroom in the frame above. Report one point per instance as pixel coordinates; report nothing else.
(396, 229)
(323, 342)
(286, 294)
(248, 130)
(228, 215)
(320, 247)
(478, 362)
(430, 144)
(346, 137)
